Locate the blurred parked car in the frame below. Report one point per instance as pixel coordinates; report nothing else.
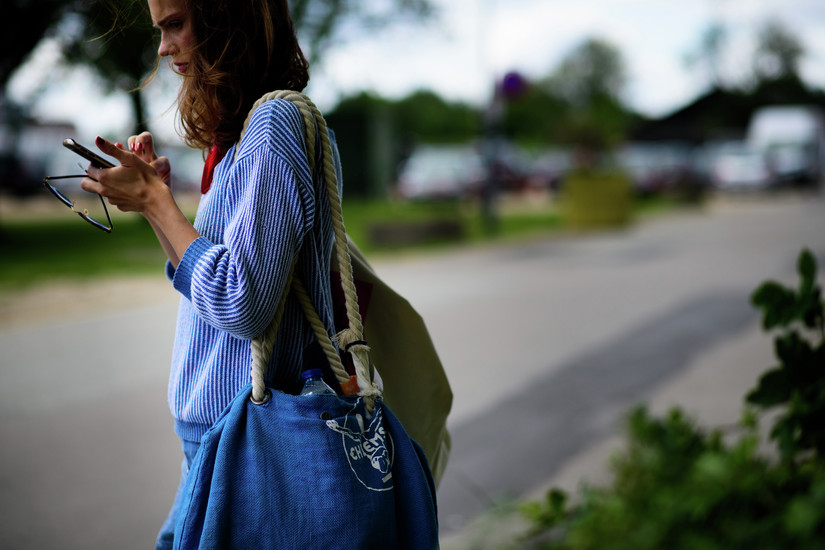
(792, 139)
(511, 166)
(738, 166)
(549, 168)
(441, 172)
(657, 166)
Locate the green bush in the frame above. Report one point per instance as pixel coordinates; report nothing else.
(680, 487)
(798, 383)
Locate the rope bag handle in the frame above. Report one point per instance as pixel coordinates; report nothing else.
(350, 339)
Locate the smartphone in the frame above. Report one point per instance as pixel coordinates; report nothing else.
(92, 157)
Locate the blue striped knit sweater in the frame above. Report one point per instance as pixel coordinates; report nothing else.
(263, 209)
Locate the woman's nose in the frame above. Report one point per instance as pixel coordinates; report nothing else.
(165, 48)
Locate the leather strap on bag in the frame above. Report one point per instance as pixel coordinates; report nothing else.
(351, 339)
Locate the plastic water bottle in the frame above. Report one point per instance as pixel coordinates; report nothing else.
(314, 383)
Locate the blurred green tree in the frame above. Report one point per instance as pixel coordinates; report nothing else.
(591, 80)
(375, 135)
(114, 36)
(363, 133)
(428, 118)
(593, 69)
(24, 24)
(709, 54)
(778, 53)
(536, 119)
(319, 22)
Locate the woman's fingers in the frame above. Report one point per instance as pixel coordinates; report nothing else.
(133, 184)
(143, 145)
(163, 168)
(113, 150)
(91, 185)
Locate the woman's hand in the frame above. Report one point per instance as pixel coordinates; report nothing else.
(138, 186)
(135, 185)
(144, 147)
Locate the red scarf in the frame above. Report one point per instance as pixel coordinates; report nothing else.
(216, 154)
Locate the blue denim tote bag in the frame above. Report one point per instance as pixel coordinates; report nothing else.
(305, 472)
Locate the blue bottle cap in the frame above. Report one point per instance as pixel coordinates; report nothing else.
(312, 372)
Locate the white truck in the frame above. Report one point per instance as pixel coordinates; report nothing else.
(792, 139)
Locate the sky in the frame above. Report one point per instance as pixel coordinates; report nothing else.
(472, 42)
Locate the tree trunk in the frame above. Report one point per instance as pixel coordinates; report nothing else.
(139, 124)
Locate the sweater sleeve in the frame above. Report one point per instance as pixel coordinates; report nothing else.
(236, 285)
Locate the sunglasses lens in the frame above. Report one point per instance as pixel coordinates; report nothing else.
(107, 227)
(57, 193)
(90, 207)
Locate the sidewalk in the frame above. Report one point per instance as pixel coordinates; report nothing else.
(711, 390)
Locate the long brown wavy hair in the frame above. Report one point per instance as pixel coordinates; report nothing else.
(245, 48)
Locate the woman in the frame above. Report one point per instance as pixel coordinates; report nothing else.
(262, 209)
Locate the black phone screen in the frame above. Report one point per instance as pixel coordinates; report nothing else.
(91, 156)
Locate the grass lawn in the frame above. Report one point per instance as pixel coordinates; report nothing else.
(61, 246)
(68, 248)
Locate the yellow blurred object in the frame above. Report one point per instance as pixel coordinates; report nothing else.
(594, 199)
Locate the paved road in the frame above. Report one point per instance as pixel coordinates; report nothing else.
(546, 345)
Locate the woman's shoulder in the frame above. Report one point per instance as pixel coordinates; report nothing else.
(277, 118)
(275, 127)
(275, 133)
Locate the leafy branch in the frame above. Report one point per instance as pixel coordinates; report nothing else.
(798, 382)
